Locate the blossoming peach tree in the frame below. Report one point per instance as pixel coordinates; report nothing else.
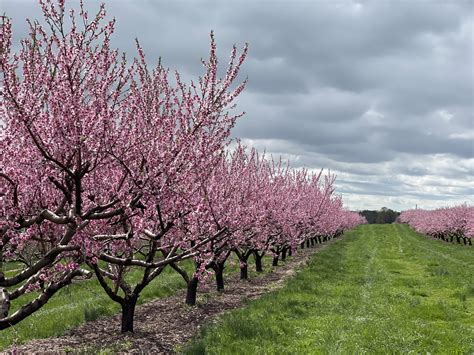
(98, 159)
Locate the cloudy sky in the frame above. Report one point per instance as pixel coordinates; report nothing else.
(381, 92)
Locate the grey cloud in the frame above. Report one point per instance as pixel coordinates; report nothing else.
(422, 143)
(372, 88)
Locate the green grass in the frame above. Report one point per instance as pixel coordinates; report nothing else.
(86, 301)
(81, 302)
(382, 289)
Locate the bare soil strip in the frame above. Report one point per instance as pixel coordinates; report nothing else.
(164, 324)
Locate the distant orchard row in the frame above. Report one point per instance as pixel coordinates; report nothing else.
(448, 223)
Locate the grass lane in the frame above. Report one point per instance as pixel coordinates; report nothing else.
(382, 289)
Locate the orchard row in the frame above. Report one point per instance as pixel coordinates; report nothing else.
(448, 223)
(110, 167)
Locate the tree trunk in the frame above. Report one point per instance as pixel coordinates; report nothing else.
(290, 251)
(38, 302)
(302, 245)
(1, 258)
(128, 313)
(319, 239)
(219, 271)
(4, 303)
(258, 262)
(191, 292)
(307, 243)
(243, 258)
(244, 275)
(283, 254)
(275, 261)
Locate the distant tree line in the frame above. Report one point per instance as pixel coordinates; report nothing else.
(384, 215)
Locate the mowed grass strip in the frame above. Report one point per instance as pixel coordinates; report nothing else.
(381, 289)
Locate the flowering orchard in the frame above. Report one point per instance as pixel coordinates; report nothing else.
(109, 167)
(448, 223)
(264, 207)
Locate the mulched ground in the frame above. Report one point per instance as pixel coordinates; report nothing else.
(164, 324)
